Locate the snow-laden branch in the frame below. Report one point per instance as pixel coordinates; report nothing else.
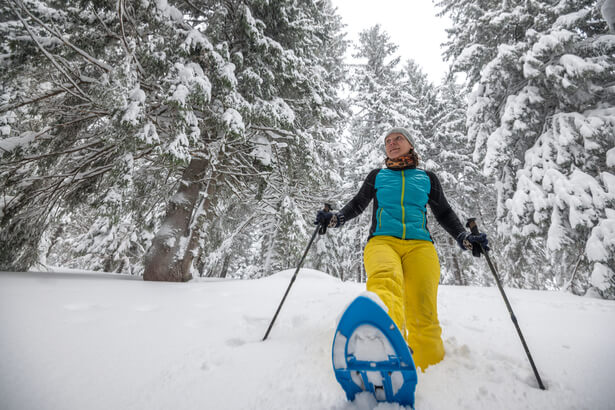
(49, 55)
(55, 33)
(53, 93)
(121, 11)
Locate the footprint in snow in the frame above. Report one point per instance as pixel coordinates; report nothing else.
(299, 320)
(254, 320)
(235, 342)
(209, 365)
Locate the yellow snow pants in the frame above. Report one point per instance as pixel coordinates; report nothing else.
(405, 275)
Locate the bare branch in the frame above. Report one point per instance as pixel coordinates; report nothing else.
(121, 11)
(53, 154)
(8, 107)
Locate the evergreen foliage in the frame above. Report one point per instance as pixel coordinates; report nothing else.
(118, 116)
(542, 121)
(174, 138)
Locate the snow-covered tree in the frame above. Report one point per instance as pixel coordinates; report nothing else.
(541, 117)
(286, 62)
(379, 100)
(94, 122)
(112, 112)
(449, 154)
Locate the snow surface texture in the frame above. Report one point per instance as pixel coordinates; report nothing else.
(92, 341)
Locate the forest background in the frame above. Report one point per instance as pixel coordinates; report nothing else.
(183, 138)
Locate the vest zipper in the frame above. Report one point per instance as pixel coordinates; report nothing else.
(403, 210)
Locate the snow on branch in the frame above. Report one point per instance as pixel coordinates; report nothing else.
(59, 36)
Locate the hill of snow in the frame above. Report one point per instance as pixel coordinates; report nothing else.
(98, 341)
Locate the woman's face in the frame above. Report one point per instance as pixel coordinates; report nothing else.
(396, 145)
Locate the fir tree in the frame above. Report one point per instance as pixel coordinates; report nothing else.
(286, 74)
(151, 106)
(95, 103)
(541, 118)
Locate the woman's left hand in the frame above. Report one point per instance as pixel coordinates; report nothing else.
(475, 243)
(329, 219)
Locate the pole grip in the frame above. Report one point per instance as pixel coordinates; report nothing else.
(473, 226)
(323, 228)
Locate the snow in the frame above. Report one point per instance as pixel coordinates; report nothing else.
(370, 344)
(102, 341)
(600, 276)
(339, 351)
(131, 113)
(191, 75)
(12, 143)
(169, 11)
(576, 66)
(227, 72)
(196, 38)
(262, 150)
(610, 158)
(602, 237)
(149, 134)
(468, 54)
(572, 19)
(233, 121)
(180, 94)
(606, 40)
(549, 42)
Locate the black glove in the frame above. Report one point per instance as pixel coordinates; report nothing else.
(329, 219)
(467, 240)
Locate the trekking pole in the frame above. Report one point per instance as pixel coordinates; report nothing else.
(319, 229)
(474, 229)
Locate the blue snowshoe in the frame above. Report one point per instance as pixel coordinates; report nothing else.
(370, 354)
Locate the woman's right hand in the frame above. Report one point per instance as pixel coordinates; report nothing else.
(329, 219)
(475, 243)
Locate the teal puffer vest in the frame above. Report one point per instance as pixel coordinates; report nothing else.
(401, 200)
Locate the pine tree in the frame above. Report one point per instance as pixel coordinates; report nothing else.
(469, 193)
(95, 104)
(541, 118)
(151, 106)
(286, 78)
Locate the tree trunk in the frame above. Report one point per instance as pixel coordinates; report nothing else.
(164, 260)
(271, 242)
(225, 265)
(456, 268)
(202, 210)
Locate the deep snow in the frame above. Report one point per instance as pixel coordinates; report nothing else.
(101, 341)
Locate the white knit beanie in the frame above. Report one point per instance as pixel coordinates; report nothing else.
(402, 131)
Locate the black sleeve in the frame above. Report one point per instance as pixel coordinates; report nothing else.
(362, 198)
(443, 212)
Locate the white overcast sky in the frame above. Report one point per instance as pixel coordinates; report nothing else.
(411, 24)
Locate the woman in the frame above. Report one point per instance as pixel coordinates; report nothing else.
(400, 259)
